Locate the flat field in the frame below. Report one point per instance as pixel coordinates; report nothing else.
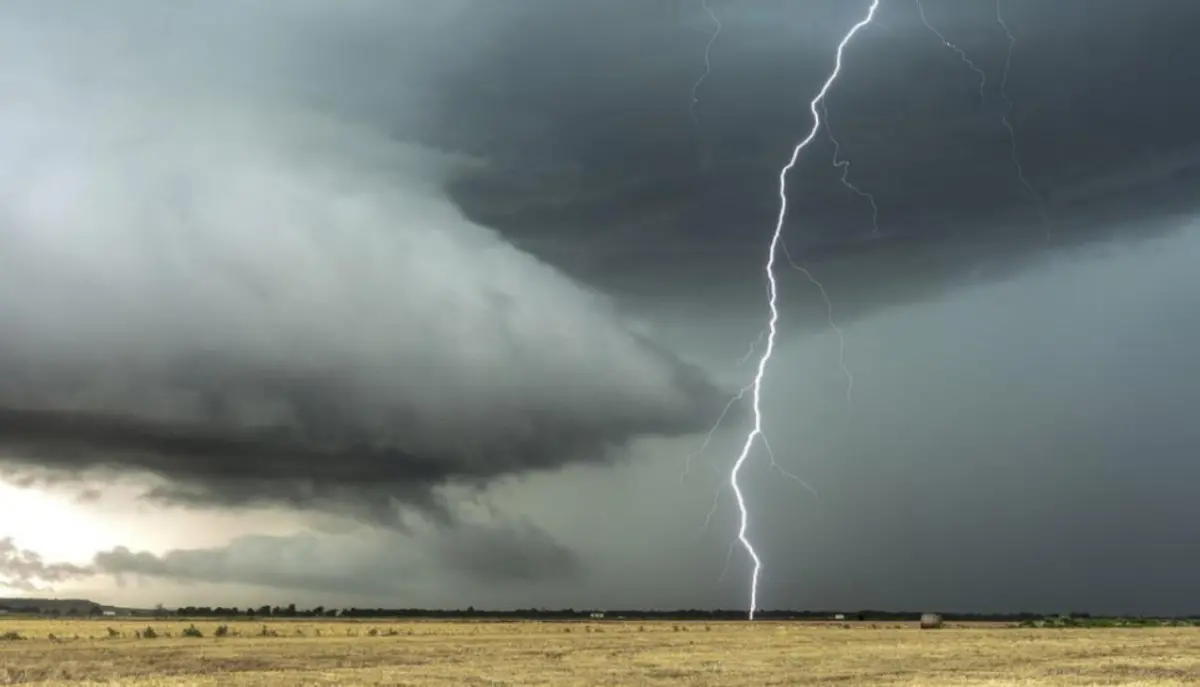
(565, 654)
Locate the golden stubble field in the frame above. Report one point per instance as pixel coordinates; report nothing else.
(724, 654)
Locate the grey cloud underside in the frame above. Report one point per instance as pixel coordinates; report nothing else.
(326, 454)
(327, 432)
(621, 189)
(521, 553)
(379, 563)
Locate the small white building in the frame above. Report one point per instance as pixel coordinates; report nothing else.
(840, 616)
(597, 615)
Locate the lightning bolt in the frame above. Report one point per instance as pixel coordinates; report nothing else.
(844, 165)
(1012, 134)
(772, 297)
(775, 464)
(712, 510)
(1008, 103)
(707, 62)
(961, 55)
(779, 468)
(750, 349)
(687, 467)
(832, 325)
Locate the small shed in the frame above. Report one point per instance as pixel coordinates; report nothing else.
(597, 615)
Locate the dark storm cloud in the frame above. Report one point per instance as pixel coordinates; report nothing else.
(26, 571)
(618, 186)
(328, 446)
(223, 269)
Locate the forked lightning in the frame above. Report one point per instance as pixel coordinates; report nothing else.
(1008, 103)
(772, 295)
(1012, 134)
(959, 51)
(707, 62)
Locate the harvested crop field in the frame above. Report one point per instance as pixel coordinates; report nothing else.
(728, 654)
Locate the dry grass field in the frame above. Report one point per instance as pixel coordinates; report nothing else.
(731, 654)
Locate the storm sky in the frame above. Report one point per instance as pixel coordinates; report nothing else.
(423, 303)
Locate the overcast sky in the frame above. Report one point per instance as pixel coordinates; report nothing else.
(421, 303)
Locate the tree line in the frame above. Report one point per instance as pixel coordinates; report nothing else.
(292, 611)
